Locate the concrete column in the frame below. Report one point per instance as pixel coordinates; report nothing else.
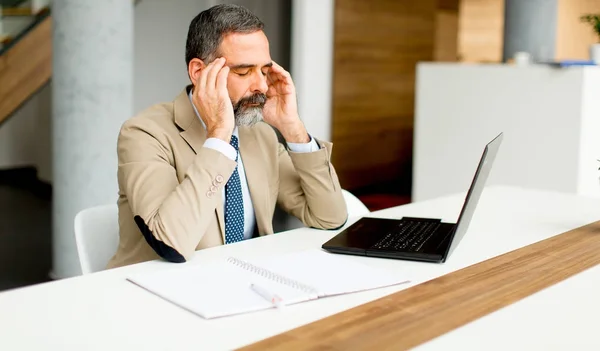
(530, 26)
(311, 63)
(92, 96)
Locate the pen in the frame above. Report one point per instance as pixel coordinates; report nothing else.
(272, 298)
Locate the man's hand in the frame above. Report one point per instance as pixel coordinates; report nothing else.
(281, 108)
(212, 101)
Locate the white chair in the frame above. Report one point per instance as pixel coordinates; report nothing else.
(96, 236)
(355, 207)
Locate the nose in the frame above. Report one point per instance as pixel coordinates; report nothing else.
(259, 83)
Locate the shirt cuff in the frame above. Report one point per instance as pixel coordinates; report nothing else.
(221, 146)
(304, 147)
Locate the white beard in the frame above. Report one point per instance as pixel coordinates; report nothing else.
(247, 117)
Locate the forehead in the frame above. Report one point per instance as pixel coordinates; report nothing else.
(249, 48)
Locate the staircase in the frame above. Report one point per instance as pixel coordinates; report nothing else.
(25, 52)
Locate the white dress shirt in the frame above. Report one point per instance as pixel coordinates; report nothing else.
(229, 151)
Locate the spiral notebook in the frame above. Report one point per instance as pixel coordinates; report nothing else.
(224, 288)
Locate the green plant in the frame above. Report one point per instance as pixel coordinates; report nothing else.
(594, 21)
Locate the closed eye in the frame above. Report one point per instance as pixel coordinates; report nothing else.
(243, 73)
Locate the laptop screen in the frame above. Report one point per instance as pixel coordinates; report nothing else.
(472, 198)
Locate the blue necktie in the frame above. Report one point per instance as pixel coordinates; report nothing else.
(234, 203)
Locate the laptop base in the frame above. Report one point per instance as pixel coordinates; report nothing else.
(363, 238)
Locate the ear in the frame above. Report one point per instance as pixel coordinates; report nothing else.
(195, 68)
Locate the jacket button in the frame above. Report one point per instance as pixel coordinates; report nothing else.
(213, 189)
(219, 178)
(209, 194)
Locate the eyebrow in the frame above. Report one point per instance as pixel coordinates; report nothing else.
(249, 65)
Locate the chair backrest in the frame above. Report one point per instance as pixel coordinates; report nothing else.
(96, 236)
(355, 207)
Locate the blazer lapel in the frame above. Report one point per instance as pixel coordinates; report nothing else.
(193, 132)
(255, 177)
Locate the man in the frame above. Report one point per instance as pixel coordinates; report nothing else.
(207, 169)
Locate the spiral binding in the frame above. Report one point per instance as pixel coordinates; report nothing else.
(265, 273)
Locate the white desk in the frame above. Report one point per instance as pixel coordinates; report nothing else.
(104, 312)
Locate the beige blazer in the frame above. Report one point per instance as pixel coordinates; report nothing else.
(170, 199)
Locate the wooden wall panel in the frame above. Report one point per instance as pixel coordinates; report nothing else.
(573, 38)
(481, 30)
(445, 46)
(377, 45)
(446, 36)
(25, 68)
(448, 5)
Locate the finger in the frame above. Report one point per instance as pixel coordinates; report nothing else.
(211, 79)
(282, 87)
(276, 68)
(272, 91)
(275, 78)
(221, 84)
(203, 76)
(279, 74)
(281, 80)
(270, 77)
(278, 87)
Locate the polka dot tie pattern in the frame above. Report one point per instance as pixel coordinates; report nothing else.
(234, 203)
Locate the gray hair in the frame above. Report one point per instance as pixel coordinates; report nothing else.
(208, 28)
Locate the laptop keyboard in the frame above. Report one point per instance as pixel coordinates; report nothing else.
(408, 236)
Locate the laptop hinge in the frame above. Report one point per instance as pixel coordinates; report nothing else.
(421, 219)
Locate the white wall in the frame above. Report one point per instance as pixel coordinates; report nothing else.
(589, 142)
(43, 133)
(16, 138)
(25, 136)
(312, 63)
(160, 32)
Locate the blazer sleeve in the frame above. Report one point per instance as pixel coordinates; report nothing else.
(172, 216)
(309, 188)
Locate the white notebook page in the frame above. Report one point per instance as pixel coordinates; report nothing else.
(223, 288)
(215, 290)
(330, 274)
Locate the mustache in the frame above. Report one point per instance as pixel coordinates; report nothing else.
(258, 99)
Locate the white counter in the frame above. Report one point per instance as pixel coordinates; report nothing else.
(550, 118)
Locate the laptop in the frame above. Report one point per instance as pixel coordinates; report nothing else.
(418, 239)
